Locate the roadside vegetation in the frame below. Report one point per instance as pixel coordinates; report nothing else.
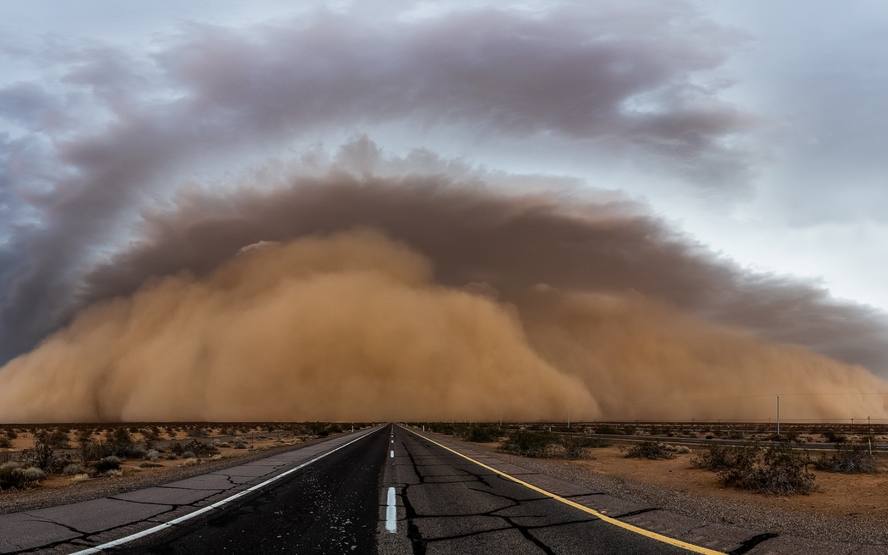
(528, 443)
(776, 470)
(852, 458)
(31, 455)
(654, 450)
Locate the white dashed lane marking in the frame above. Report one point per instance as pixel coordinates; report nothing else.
(391, 512)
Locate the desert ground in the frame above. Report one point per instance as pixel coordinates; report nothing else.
(50, 464)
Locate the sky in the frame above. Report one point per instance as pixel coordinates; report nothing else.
(755, 128)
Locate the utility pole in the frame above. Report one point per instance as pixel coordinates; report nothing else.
(778, 417)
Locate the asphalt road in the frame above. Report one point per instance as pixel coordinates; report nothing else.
(446, 504)
(327, 507)
(451, 505)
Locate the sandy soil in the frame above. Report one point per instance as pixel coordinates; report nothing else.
(838, 494)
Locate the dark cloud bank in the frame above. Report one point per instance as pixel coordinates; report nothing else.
(614, 77)
(381, 294)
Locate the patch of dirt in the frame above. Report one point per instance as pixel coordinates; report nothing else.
(837, 494)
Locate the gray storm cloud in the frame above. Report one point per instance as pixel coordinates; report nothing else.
(587, 73)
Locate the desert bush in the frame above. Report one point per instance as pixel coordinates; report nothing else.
(107, 463)
(718, 457)
(58, 439)
(653, 450)
(121, 442)
(150, 464)
(240, 444)
(5, 443)
(605, 429)
(849, 459)
(15, 476)
(223, 444)
(94, 450)
(72, 469)
(528, 443)
(575, 447)
(42, 455)
(33, 474)
(114, 473)
(198, 448)
(11, 433)
(775, 470)
(832, 437)
(318, 429)
(189, 455)
(152, 454)
(176, 448)
(480, 433)
(79, 478)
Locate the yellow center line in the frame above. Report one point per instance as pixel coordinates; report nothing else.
(585, 509)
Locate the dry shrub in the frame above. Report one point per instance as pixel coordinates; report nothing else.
(529, 443)
(853, 458)
(775, 470)
(107, 464)
(14, 476)
(577, 447)
(653, 450)
(480, 433)
(717, 457)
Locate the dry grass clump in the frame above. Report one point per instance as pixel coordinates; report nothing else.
(13, 475)
(73, 469)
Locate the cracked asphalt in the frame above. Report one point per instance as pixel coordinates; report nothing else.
(450, 505)
(327, 507)
(76, 526)
(390, 491)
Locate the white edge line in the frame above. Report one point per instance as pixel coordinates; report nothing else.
(208, 508)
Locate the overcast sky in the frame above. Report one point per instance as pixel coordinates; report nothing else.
(757, 128)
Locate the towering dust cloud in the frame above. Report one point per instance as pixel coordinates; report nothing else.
(341, 328)
(417, 297)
